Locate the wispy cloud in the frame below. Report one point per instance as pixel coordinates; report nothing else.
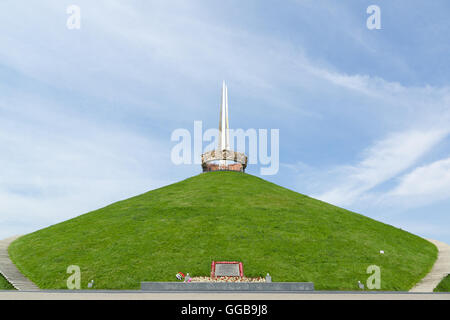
(384, 160)
(424, 184)
(56, 166)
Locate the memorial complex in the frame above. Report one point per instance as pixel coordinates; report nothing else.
(224, 159)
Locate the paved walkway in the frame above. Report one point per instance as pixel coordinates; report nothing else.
(10, 271)
(140, 295)
(439, 271)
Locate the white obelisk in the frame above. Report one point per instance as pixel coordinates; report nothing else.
(224, 129)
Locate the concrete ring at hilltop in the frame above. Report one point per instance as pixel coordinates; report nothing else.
(216, 155)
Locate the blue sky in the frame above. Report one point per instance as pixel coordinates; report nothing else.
(364, 115)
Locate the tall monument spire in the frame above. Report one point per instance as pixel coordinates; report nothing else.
(222, 158)
(224, 128)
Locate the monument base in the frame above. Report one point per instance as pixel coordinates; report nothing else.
(218, 167)
(227, 286)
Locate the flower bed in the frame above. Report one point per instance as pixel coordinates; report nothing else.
(227, 279)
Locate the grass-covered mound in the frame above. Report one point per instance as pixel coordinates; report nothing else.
(223, 216)
(4, 284)
(444, 285)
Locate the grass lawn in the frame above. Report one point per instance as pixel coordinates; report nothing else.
(4, 284)
(444, 285)
(223, 216)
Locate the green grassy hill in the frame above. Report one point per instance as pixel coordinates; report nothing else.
(4, 284)
(223, 216)
(444, 285)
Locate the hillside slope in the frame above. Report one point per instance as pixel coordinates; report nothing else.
(4, 284)
(223, 216)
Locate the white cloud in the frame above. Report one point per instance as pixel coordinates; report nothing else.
(426, 183)
(382, 161)
(58, 165)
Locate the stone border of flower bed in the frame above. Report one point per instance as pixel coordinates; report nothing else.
(227, 279)
(227, 286)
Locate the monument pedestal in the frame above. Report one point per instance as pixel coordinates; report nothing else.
(227, 286)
